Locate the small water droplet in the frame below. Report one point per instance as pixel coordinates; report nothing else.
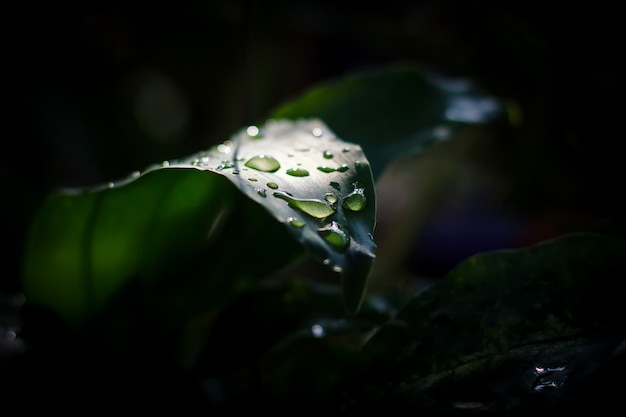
(252, 131)
(344, 150)
(165, 164)
(355, 201)
(357, 164)
(328, 154)
(298, 172)
(295, 222)
(317, 132)
(331, 198)
(326, 169)
(343, 168)
(335, 185)
(110, 185)
(225, 165)
(263, 163)
(549, 378)
(335, 236)
(337, 268)
(225, 147)
(272, 185)
(318, 331)
(312, 207)
(261, 192)
(252, 179)
(135, 174)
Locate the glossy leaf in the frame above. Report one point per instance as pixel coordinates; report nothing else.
(395, 112)
(192, 239)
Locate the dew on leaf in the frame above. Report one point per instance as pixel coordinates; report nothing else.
(355, 201)
(295, 222)
(165, 164)
(328, 155)
(225, 165)
(252, 131)
(335, 185)
(263, 163)
(252, 179)
(312, 207)
(343, 168)
(330, 197)
(344, 150)
(225, 147)
(326, 169)
(335, 236)
(317, 132)
(272, 185)
(298, 172)
(261, 192)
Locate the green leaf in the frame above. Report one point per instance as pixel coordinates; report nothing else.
(192, 239)
(396, 111)
(498, 315)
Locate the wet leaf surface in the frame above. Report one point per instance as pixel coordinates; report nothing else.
(192, 239)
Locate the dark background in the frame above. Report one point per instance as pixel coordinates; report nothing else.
(96, 91)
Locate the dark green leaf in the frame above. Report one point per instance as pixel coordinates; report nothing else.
(499, 315)
(396, 111)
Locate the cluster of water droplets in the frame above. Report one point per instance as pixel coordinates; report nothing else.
(320, 209)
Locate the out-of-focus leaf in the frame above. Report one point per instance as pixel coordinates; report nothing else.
(192, 239)
(506, 325)
(395, 112)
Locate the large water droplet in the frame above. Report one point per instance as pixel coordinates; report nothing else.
(356, 200)
(272, 185)
(263, 163)
(298, 172)
(335, 236)
(312, 207)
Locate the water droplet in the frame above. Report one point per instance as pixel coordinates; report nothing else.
(294, 221)
(252, 131)
(343, 168)
(344, 150)
(356, 200)
(331, 198)
(225, 165)
(135, 174)
(335, 185)
(225, 147)
(317, 132)
(549, 378)
(298, 172)
(272, 185)
(312, 207)
(165, 164)
(263, 163)
(337, 268)
(357, 164)
(110, 185)
(252, 179)
(326, 169)
(335, 236)
(328, 154)
(261, 192)
(318, 331)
